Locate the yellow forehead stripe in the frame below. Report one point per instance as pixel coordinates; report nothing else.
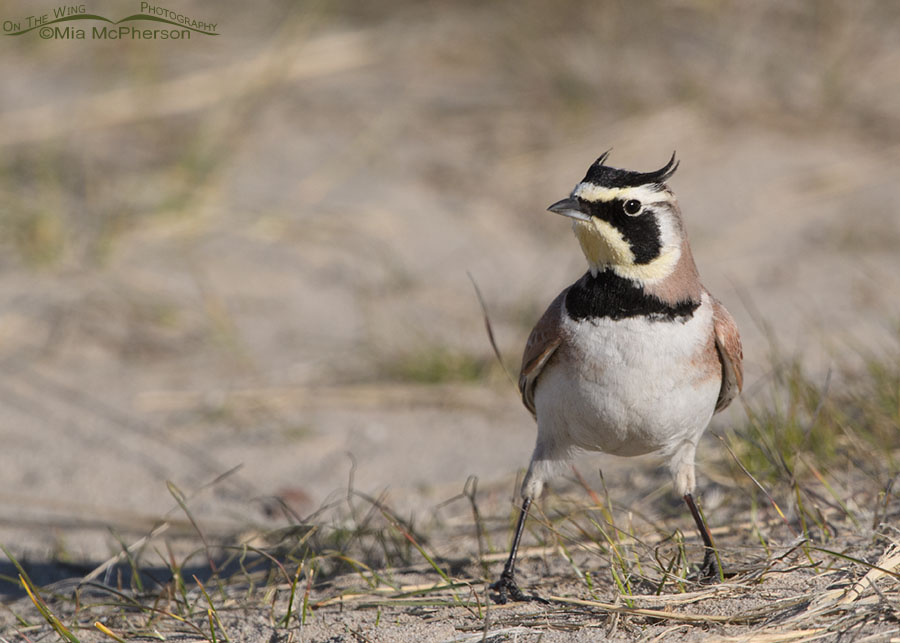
(594, 193)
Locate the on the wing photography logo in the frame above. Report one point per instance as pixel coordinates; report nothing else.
(72, 22)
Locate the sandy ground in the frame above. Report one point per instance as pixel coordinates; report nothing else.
(251, 250)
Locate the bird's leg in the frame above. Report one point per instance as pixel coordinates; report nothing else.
(506, 587)
(709, 570)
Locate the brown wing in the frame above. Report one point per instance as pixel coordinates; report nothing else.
(542, 343)
(728, 344)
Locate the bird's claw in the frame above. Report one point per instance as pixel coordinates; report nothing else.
(709, 572)
(507, 589)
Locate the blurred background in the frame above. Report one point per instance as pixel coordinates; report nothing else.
(252, 250)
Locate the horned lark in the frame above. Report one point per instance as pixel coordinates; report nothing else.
(634, 357)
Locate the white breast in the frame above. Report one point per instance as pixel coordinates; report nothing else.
(628, 387)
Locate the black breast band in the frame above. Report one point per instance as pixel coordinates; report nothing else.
(610, 296)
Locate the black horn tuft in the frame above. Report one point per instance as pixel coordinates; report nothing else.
(612, 177)
(599, 161)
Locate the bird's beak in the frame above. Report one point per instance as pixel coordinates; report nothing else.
(569, 208)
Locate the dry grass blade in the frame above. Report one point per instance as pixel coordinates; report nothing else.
(659, 614)
(685, 598)
(490, 330)
(887, 565)
(211, 612)
(108, 632)
(181, 499)
(46, 612)
(404, 590)
(836, 598)
(157, 531)
(778, 637)
(756, 482)
(395, 523)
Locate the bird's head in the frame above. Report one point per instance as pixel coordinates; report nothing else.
(626, 221)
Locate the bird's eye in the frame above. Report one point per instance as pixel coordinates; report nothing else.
(632, 207)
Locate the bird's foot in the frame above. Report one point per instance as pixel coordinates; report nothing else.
(507, 589)
(709, 572)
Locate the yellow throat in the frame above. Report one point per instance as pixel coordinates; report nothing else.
(605, 247)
